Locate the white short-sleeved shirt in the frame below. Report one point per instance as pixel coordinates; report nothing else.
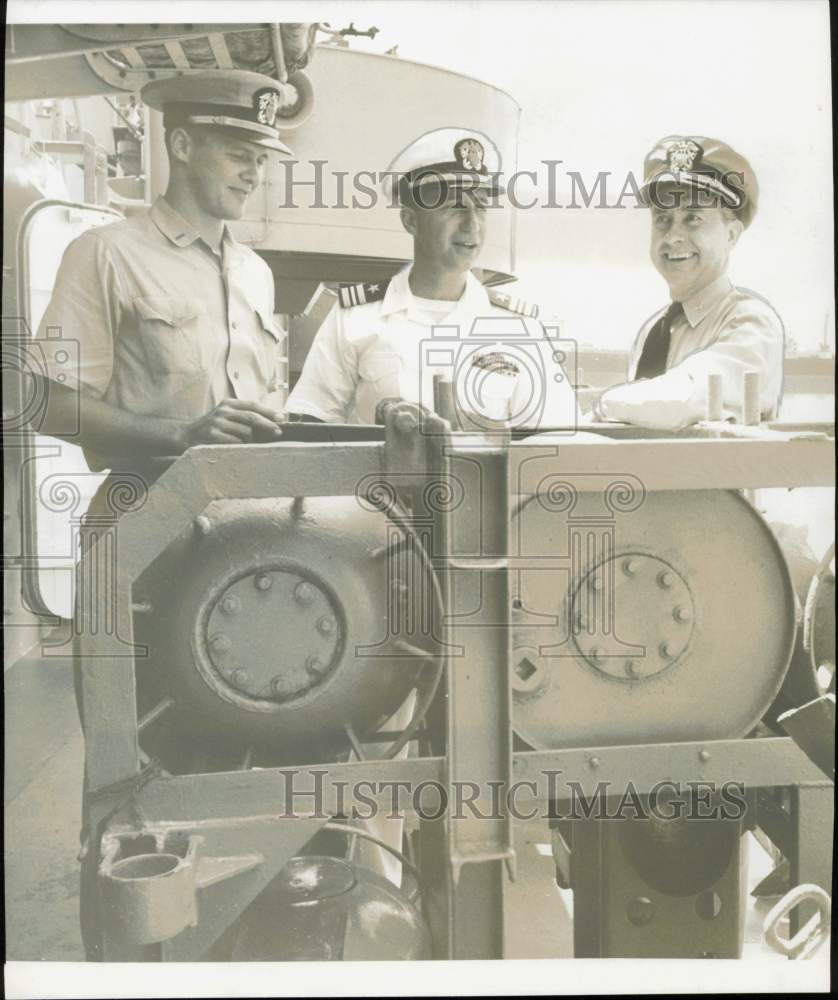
(724, 330)
(392, 347)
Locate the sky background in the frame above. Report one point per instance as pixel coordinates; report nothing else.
(599, 82)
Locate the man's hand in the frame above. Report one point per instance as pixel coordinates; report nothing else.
(121, 437)
(232, 421)
(588, 398)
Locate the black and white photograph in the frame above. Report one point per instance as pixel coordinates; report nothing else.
(419, 484)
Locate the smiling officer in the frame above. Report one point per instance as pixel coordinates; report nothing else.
(174, 318)
(701, 194)
(377, 343)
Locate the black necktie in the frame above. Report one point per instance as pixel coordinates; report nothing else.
(653, 357)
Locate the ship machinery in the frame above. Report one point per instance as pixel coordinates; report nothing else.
(584, 618)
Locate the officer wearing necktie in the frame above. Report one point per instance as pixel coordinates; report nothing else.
(701, 196)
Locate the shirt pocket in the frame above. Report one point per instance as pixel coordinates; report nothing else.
(170, 332)
(373, 366)
(380, 377)
(273, 350)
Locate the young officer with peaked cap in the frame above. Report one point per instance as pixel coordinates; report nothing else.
(373, 345)
(174, 318)
(376, 343)
(701, 194)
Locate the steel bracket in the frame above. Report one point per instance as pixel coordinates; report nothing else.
(149, 883)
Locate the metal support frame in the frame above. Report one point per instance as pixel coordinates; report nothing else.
(479, 701)
(242, 817)
(98, 59)
(811, 853)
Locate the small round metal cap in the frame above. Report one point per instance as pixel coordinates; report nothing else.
(326, 625)
(316, 666)
(231, 605)
(640, 910)
(306, 880)
(221, 643)
(282, 686)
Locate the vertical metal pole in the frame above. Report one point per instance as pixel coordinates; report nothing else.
(433, 842)
(714, 396)
(444, 400)
(462, 857)
(811, 860)
(479, 711)
(587, 879)
(750, 398)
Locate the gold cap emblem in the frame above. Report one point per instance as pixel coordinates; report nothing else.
(682, 155)
(469, 153)
(267, 107)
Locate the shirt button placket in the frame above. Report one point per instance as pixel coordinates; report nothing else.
(235, 375)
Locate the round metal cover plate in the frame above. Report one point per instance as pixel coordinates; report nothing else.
(273, 635)
(672, 621)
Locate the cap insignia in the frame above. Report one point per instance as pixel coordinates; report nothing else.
(469, 153)
(496, 362)
(682, 155)
(267, 106)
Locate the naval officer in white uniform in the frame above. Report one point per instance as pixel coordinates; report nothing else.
(384, 340)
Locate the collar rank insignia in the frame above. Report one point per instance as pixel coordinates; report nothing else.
(682, 155)
(469, 154)
(359, 295)
(520, 306)
(267, 107)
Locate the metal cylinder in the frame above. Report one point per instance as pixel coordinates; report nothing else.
(633, 625)
(812, 669)
(146, 898)
(321, 908)
(444, 400)
(275, 631)
(714, 396)
(751, 410)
